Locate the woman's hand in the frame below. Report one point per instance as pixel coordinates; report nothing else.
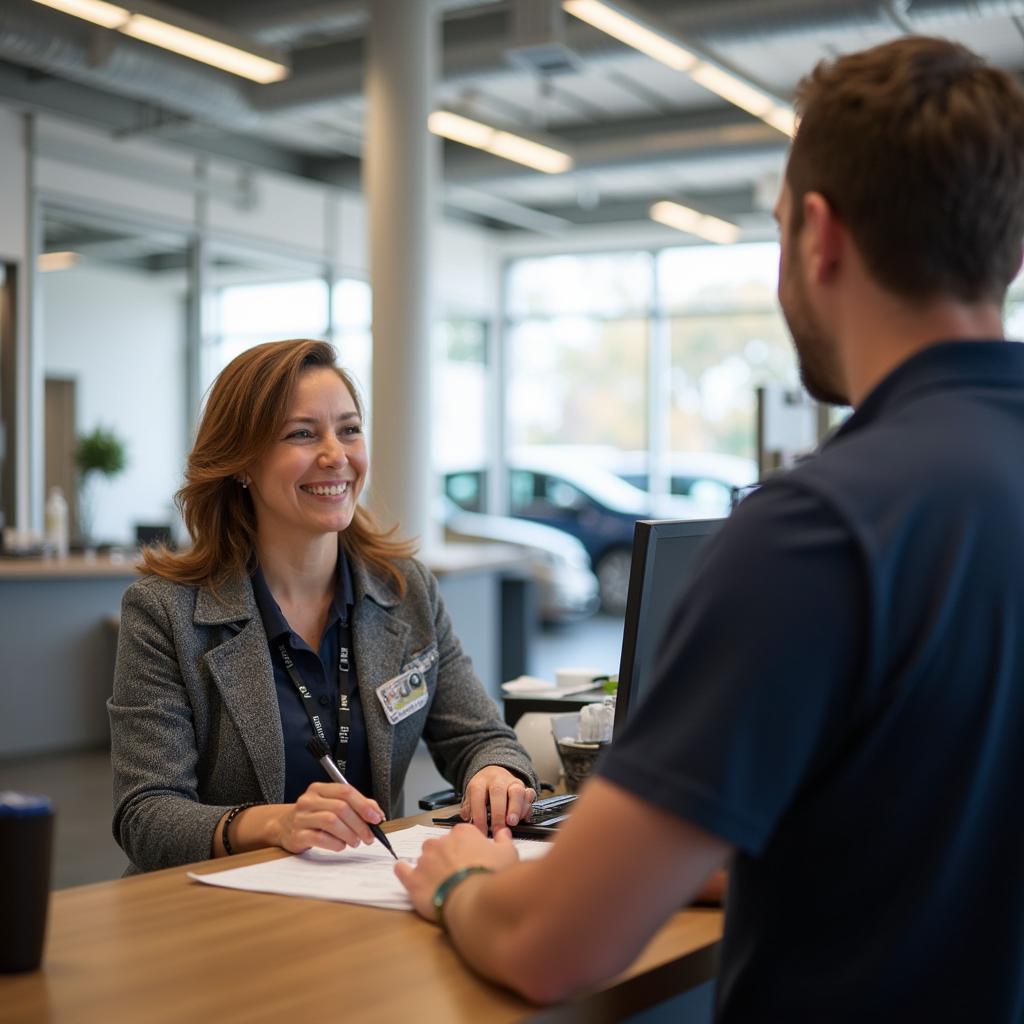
(329, 815)
(463, 847)
(509, 800)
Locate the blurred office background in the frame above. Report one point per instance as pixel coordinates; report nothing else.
(587, 364)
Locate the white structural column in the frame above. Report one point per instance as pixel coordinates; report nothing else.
(400, 171)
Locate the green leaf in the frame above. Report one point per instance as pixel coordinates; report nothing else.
(100, 451)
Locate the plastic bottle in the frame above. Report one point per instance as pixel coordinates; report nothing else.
(57, 529)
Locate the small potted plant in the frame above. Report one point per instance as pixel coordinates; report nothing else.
(98, 453)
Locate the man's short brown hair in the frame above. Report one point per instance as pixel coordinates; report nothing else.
(918, 146)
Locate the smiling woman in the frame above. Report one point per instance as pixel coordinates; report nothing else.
(308, 483)
(293, 615)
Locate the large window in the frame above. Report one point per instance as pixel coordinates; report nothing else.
(727, 337)
(647, 361)
(259, 298)
(256, 297)
(351, 315)
(579, 381)
(605, 285)
(461, 395)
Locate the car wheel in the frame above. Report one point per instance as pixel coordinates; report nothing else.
(613, 579)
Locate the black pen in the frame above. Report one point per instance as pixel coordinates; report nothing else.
(323, 755)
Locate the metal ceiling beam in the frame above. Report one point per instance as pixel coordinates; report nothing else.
(702, 135)
(504, 211)
(655, 148)
(733, 204)
(270, 19)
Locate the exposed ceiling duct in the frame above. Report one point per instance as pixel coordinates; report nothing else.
(733, 21)
(74, 49)
(51, 42)
(628, 129)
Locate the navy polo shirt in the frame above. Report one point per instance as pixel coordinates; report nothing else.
(840, 695)
(319, 672)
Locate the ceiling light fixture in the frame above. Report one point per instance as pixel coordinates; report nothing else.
(63, 260)
(693, 222)
(204, 49)
(639, 31)
(159, 26)
(96, 11)
(499, 142)
(629, 30)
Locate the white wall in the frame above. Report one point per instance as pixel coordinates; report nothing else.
(120, 335)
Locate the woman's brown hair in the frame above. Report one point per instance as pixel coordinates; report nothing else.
(245, 411)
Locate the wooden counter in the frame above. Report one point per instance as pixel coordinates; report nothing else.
(73, 567)
(159, 948)
(446, 560)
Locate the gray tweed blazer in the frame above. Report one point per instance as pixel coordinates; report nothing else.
(194, 721)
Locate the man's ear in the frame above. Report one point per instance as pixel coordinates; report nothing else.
(825, 237)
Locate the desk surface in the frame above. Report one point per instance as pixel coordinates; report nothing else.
(159, 947)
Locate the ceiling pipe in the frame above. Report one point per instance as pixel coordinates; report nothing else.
(63, 46)
(74, 49)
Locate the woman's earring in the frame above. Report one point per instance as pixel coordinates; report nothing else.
(244, 482)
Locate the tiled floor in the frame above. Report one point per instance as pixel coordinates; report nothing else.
(80, 783)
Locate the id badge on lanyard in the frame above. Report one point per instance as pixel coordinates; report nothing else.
(344, 708)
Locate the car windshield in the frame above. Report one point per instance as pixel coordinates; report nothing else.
(600, 484)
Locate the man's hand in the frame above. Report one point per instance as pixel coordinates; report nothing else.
(463, 847)
(508, 798)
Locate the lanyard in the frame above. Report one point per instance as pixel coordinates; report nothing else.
(344, 689)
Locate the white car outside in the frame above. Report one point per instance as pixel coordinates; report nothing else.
(557, 562)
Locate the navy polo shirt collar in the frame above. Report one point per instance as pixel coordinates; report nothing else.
(936, 367)
(274, 621)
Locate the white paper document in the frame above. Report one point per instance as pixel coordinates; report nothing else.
(531, 686)
(364, 875)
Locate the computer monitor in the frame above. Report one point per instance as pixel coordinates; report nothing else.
(664, 556)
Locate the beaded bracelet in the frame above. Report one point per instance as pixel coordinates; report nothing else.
(230, 818)
(444, 890)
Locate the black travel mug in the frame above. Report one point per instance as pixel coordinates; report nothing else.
(26, 839)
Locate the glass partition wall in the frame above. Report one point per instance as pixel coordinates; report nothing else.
(644, 366)
(113, 416)
(252, 297)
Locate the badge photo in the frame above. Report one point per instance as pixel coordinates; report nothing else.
(403, 695)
